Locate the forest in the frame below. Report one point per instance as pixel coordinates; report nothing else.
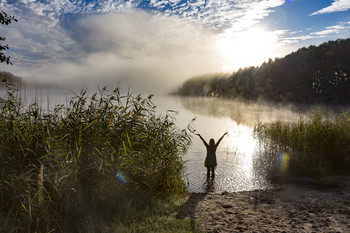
(313, 75)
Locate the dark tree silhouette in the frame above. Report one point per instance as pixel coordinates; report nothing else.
(310, 75)
(5, 20)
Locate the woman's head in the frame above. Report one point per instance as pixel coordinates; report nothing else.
(212, 142)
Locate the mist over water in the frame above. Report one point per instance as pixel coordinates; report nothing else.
(237, 152)
(243, 112)
(239, 167)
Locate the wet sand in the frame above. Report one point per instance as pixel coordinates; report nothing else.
(300, 205)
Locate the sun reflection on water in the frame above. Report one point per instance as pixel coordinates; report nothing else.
(235, 170)
(240, 167)
(242, 141)
(237, 164)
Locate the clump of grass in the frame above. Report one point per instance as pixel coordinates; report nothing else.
(90, 161)
(318, 146)
(164, 216)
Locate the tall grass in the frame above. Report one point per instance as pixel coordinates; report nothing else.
(87, 162)
(317, 146)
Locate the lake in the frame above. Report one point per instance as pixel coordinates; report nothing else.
(238, 151)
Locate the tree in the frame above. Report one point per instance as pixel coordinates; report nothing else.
(5, 20)
(310, 75)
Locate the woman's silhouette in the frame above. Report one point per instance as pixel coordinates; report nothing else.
(210, 161)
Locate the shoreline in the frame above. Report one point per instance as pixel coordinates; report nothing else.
(300, 205)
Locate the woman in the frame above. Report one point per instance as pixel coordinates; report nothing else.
(210, 161)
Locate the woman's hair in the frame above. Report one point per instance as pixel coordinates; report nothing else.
(211, 142)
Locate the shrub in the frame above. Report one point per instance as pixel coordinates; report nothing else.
(61, 170)
(318, 146)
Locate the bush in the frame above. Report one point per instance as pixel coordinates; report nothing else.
(316, 147)
(65, 169)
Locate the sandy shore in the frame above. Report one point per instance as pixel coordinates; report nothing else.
(302, 205)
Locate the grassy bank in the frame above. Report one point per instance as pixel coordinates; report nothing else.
(316, 146)
(97, 160)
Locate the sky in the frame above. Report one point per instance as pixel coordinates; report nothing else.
(156, 45)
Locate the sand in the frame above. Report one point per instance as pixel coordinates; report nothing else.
(300, 205)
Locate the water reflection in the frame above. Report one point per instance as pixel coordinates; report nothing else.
(236, 170)
(241, 140)
(244, 113)
(235, 164)
(240, 167)
(238, 152)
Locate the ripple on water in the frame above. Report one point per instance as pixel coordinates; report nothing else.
(235, 170)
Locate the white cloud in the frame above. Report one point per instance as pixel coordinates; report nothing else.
(150, 52)
(338, 31)
(337, 5)
(226, 14)
(331, 30)
(155, 50)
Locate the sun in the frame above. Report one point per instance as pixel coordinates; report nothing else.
(247, 48)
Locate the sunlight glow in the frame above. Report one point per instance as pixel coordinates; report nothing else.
(247, 48)
(243, 143)
(242, 140)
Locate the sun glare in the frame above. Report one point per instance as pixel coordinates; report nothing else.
(243, 143)
(248, 48)
(242, 140)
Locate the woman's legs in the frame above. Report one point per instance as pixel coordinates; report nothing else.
(213, 172)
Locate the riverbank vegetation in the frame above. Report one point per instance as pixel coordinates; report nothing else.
(101, 160)
(317, 146)
(312, 75)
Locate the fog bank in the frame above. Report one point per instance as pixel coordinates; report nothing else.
(152, 53)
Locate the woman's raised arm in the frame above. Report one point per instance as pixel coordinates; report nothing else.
(217, 144)
(205, 143)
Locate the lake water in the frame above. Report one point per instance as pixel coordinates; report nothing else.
(237, 151)
(214, 116)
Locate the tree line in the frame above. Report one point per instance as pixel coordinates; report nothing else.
(317, 74)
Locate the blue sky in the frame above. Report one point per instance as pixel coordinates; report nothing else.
(157, 44)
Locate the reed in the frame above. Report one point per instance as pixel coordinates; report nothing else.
(316, 146)
(96, 159)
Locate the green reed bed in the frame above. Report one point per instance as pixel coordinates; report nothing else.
(98, 159)
(316, 146)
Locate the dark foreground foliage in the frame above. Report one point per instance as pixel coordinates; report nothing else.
(92, 161)
(5, 19)
(315, 147)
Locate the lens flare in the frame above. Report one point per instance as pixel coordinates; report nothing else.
(283, 159)
(120, 177)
